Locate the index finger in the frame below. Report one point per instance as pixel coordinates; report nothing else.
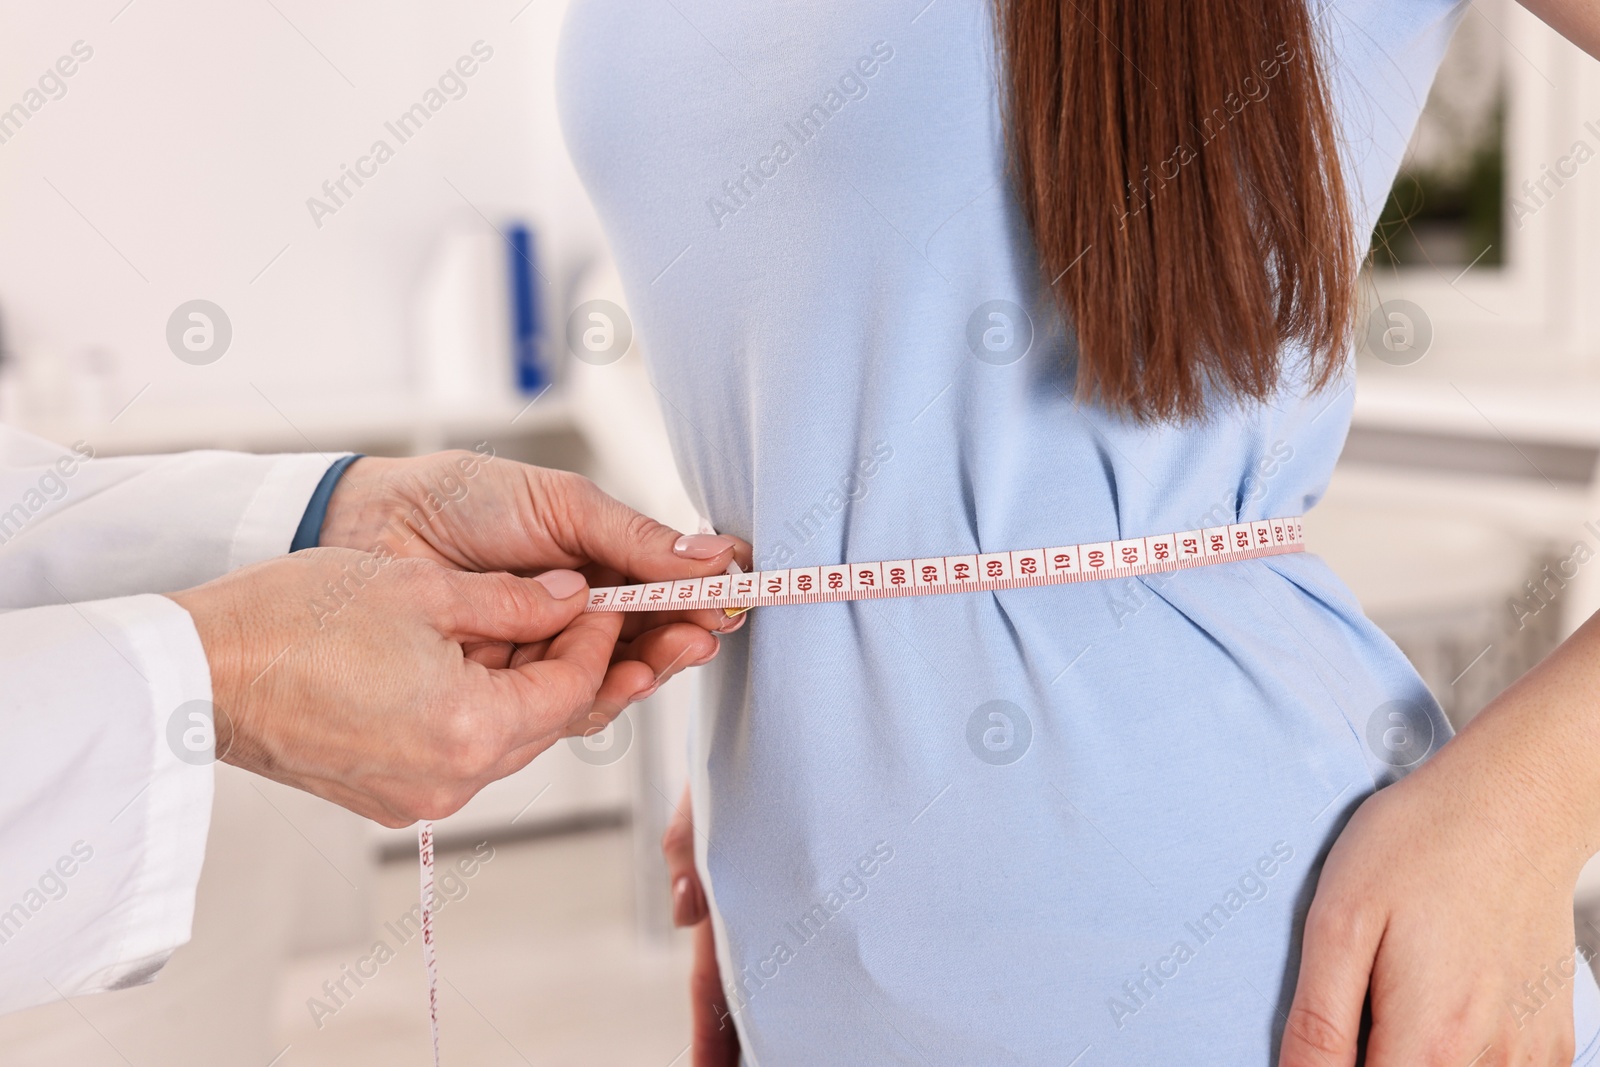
(1335, 967)
(548, 694)
(601, 528)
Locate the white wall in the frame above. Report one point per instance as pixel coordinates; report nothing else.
(191, 141)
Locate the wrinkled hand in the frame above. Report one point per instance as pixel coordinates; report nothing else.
(475, 511)
(1443, 896)
(396, 687)
(714, 1041)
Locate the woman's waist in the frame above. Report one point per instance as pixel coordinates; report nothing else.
(1276, 637)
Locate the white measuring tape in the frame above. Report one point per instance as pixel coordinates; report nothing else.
(425, 853)
(1090, 562)
(1095, 561)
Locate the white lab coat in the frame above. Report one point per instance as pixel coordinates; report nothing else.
(102, 825)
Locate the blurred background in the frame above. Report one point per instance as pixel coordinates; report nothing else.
(206, 248)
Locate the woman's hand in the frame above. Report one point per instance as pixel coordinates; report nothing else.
(1442, 904)
(1448, 897)
(714, 1042)
(396, 687)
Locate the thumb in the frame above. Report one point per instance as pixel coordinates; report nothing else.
(714, 1040)
(503, 607)
(677, 847)
(1335, 969)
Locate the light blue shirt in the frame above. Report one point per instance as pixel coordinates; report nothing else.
(1008, 828)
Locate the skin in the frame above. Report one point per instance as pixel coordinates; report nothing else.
(1449, 890)
(1576, 20)
(1445, 903)
(713, 1040)
(425, 681)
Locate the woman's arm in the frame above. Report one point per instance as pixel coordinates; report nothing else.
(1448, 897)
(1576, 20)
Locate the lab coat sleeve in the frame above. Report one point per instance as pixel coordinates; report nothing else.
(76, 527)
(105, 755)
(105, 793)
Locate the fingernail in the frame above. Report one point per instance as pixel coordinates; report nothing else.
(702, 546)
(561, 584)
(708, 657)
(681, 906)
(649, 690)
(733, 623)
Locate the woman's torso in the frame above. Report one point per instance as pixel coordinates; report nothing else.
(1001, 828)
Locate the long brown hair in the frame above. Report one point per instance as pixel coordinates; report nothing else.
(1177, 164)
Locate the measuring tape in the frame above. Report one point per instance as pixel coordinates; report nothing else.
(1094, 561)
(425, 854)
(736, 592)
